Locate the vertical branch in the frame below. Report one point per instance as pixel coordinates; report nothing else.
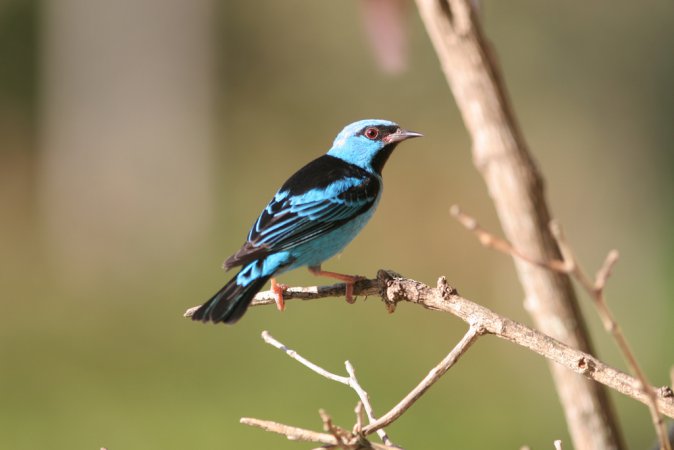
(516, 187)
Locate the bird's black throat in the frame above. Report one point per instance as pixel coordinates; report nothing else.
(382, 156)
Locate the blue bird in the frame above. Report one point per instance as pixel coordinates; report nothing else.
(314, 215)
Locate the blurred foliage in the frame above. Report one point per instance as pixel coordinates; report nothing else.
(19, 43)
(115, 364)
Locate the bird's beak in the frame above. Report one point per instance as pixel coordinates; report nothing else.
(400, 135)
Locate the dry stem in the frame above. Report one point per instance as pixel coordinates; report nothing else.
(292, 433)
(343, 438)
(393, 289)
(473, 333)
(350, 381)
(595, 288)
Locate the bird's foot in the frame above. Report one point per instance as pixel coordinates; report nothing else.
(349, 288)
(278, 289)
(350, 280)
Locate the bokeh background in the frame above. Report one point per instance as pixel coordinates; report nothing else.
(139, 139)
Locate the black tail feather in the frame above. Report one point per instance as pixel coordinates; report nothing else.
(230, 302)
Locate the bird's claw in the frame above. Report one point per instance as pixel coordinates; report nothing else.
(278, 289)
(350, 299)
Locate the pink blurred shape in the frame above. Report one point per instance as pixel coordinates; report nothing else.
(386, 25)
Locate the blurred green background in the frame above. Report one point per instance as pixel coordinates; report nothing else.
(139, 140)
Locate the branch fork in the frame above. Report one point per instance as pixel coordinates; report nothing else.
(595, 288)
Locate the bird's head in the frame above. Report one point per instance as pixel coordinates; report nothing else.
(368, 143)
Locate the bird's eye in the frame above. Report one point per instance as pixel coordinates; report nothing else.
(371, 133)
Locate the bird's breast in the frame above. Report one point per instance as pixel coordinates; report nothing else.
(314, 252)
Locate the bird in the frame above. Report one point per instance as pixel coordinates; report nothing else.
(310, 219)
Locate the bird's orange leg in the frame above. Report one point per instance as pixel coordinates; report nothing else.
(348, 279)
(278, 290)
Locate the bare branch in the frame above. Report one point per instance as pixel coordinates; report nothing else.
(292, 433)
(350, 381)
(396, 289)
(269, 339)
(434, 375)
(606, 269)
(494, 242)
(353, 442)
(360, 287)
(344, 438)
(595, 288)
(360, 418)
(365, 402)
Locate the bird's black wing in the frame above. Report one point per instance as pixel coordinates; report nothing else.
(319, 198)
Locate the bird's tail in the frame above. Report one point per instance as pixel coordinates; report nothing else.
(231, 302)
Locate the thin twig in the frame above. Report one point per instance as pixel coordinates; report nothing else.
(473, 333)
(359, 410)
(365, 401)
(377, 425)
(269, 339)
(342, 436)
(292, 433)
(491, 241)
(595, 288)
(606, 269)
(302, 434)
(350, 381)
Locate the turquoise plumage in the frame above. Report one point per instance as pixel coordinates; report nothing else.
(314, 215)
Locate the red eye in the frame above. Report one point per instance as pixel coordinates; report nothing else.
(371, 133)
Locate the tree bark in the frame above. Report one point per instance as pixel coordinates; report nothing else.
(516, 187)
